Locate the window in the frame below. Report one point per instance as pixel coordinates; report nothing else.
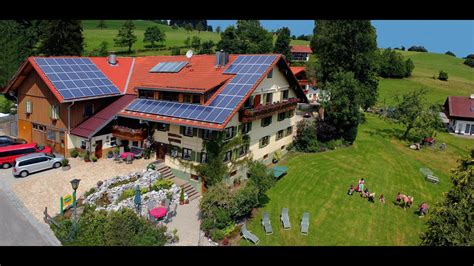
(279, 134)
(246, 127)
(187, 154)
(55, 112)
(29, 107)
(88, 110)
(187, 98)
(242, 150)
(203, 157)
(281, 116)
(270, 74)
(268, 98)
(285, 94)
(146, 94)
(51, 135)
(206, 134)
(266, 121)
(83, 144)
(468, 128)
(39, 127)
(162, 127)
(196, 99)
(229, 132)
(169, 96)
(264, 141)
(291, 113)
(289, 131)
(113, 141)
(188, 131)
(228, 156)
(249, 102)
(174, 151)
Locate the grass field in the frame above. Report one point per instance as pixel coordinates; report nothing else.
(427, 65)
(317, 183)
(94, 36)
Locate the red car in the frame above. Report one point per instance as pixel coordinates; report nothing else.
(8, 154)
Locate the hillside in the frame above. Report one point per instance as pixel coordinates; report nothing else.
(174, 37)
(427, 65)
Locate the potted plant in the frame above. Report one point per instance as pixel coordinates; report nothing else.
(110, 154)
(74, 153)
(87, 157)
(117, 150)
(181, 197)
(93, 158)
(65, 164)
(276, 157)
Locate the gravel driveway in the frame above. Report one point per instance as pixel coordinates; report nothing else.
(44, 189)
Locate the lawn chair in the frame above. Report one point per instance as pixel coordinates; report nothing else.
(267, 224)
(305, 223)
(169, 215)
(285, 219)
(246, 234)
(129, 159)
(173, 208)
(167, 204)
(117, 158)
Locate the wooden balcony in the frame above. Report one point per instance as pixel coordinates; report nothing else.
(128, 133)
(259, 112)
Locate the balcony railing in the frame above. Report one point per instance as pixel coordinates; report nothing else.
(128, 133)
(261, 111)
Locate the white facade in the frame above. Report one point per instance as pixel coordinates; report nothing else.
(462, 127)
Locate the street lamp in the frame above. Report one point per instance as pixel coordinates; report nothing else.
(75, 185)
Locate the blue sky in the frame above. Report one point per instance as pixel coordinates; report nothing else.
(437, 36)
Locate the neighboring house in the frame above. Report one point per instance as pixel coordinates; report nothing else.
(176, 100)
(309, 87)
(300, 52)
(460, 112)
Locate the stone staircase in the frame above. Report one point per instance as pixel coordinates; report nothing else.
(168, 174)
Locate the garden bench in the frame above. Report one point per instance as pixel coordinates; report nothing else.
(305, 223)
(432, 178)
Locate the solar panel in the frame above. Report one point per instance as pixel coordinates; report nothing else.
(168, 67)
(76, 78)
(248, 69)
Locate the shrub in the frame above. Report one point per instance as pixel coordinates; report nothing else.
(469, 62)
(443, 75)
(94, 158)
(151, 166)
(470, 56)
(450, 53)
(175, 51)
(123, 182)
(74, 153)
(128, 193)
(64, 162)
(116, 150)
(90, 191)
(418, 49)
(217, 235)
(162, 184)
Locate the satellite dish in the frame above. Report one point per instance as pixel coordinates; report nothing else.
(189, 53)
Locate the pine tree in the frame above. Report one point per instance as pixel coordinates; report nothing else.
(451, 222)
(125, 36)
(61, 37)
(200, 27)
(154, 34)
(218, 29)
(101, 24)
(282, 44)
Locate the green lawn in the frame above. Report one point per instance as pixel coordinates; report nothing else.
(317, 183)
(427, 65)
(93, 36)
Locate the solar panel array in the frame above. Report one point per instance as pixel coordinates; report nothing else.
(168, 67)
(76, 78)
(248, 69)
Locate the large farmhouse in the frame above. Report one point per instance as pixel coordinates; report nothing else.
(97, 103)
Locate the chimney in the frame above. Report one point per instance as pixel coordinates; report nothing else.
(224, 58)
(218, 58)
(112, 58)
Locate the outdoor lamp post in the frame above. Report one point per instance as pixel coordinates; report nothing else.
(75, 185)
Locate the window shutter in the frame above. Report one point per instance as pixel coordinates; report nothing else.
(181, 130)
(195, 132)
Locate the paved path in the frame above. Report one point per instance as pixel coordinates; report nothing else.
(17, 226)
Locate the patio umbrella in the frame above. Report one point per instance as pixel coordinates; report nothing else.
(138, 198)
(158, 212)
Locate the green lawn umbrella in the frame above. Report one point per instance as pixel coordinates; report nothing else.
(138, 198)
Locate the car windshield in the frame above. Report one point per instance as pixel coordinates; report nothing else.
(50, 155)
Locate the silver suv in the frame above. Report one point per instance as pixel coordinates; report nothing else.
(35, 162)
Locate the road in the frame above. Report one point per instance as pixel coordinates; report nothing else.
(17, 226)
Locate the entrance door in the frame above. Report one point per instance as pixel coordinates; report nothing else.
(98, 149)
(161, 151)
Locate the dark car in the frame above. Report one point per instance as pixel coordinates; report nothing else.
(7, 140)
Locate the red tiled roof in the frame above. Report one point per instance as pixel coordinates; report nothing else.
(100, 119)
(199, 75)
(118, 73)
(301, 49)
(460, 106)
(297, 69)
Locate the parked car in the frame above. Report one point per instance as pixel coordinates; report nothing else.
(35, 162)
(7, 140)
(8, 154)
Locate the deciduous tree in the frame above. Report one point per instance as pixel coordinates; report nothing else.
(282, 44)
(126, 36)
(154, 34)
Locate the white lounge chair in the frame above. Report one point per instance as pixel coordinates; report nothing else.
(248, 235)
(285, 219)
(267, 224)
(305, 223)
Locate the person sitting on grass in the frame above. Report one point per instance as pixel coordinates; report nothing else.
(371, 197)
(382, 198)
(365, 193)
(351, 190)
(399, 197)
(423, 209)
